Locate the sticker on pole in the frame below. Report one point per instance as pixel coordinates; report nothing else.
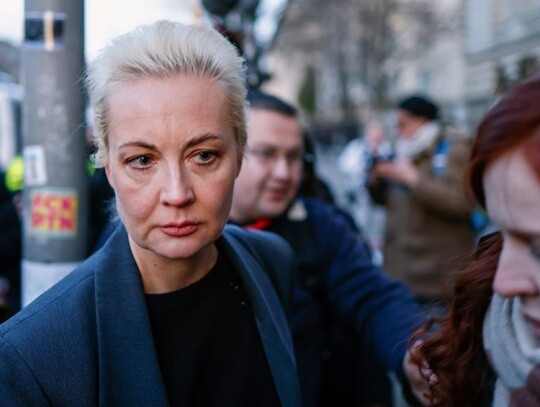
(35, 173)
(36, 277)
(44, 30)
(53, 212)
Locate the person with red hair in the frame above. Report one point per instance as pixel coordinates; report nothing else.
(486, 350)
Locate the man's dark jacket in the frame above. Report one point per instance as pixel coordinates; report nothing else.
(337, 281)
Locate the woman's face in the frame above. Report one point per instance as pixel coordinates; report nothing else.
(513, 203)
(172, 162)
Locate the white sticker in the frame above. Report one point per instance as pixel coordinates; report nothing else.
(35, 173)
(38, 277)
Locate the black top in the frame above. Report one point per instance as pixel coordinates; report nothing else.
(209, 349)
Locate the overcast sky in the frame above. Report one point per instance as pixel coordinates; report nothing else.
(104, 18)
(11, 15)
(108, 18)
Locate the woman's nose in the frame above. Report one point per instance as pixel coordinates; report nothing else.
(515, 278)
(177, 189)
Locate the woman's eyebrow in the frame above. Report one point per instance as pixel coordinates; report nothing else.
(150, 146)
(204, 137)
(142, 144)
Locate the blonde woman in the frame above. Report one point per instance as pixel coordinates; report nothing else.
(173, 310)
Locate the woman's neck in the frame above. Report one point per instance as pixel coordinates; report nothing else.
(162, 275)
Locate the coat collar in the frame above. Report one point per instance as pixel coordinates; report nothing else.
(129, 371)
(269, 317)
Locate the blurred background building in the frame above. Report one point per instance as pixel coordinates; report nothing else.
(344, 62)
(503, 46)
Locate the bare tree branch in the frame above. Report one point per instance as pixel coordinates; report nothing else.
(358, 40)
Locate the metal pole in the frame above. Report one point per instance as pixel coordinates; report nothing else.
(55, 191)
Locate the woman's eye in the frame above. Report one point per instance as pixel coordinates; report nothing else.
(140, 162)
(205, 157)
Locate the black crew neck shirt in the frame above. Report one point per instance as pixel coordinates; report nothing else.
(208, 346)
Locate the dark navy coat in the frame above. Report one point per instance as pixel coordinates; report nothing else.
(87, 341)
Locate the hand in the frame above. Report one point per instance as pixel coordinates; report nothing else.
(421, 380)
(401, 170)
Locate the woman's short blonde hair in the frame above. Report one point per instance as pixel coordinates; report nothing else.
(164, 49)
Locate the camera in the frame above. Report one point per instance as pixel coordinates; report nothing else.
(374, 159)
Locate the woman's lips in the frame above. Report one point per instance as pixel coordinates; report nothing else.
(180, 229)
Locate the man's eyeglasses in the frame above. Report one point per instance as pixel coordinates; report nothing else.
(268, 156)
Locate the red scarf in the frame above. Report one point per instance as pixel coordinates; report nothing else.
(260, 224)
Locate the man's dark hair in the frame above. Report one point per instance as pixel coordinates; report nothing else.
(261, 100)
(420, 105)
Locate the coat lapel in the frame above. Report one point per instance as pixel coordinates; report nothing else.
(128, 366)
(129, 371)
(270, 320)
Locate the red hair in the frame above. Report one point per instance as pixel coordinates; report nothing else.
(454, 350)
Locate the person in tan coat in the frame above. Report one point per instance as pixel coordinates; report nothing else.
(428, 231)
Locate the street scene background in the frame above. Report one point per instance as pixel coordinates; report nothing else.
(345, 64)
